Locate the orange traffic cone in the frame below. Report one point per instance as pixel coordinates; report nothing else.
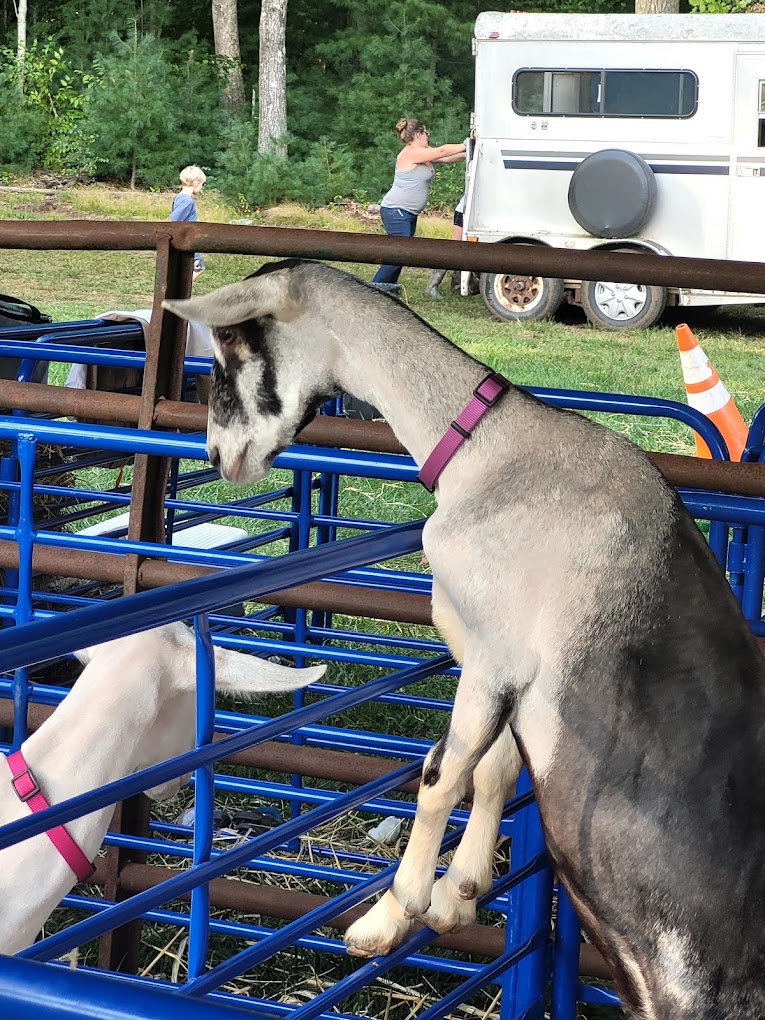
(707, 394)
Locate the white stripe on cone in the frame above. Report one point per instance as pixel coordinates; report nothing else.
(711, 400)
(695, 365)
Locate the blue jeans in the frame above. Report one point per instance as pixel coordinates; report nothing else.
(397, 223)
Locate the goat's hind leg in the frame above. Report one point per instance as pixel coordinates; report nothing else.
(453, 900)
(479, 716)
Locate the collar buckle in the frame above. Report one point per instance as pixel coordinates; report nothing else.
(30, 787)
(496, 384)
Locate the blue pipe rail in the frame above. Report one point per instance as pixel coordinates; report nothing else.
(62, 635)
(29, 991)
(746, 513)
(59, 350)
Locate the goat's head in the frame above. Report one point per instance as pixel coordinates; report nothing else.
(156, 672)
(272, 366)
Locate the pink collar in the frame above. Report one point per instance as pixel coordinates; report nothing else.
(485, 395)
(27, 790)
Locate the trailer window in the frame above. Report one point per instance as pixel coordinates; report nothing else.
(604, 93)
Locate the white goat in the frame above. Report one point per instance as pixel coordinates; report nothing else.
(133, 706)
(593, 624)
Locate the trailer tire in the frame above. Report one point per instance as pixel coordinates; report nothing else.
(622, 305)
(514, 298)
(612, 193)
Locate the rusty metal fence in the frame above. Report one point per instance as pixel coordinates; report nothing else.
(299, 620)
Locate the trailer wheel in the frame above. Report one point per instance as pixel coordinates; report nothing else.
(521, 298)
(622, 305)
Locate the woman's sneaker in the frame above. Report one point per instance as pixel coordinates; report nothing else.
(389, 288)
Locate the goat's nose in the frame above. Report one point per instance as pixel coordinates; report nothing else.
(213, 454)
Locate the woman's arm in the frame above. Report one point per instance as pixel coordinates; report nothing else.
(431, 153)
(456, 158)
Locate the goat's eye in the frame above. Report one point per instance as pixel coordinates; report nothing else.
(225, 335)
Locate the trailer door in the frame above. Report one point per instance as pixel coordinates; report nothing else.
(746, 222)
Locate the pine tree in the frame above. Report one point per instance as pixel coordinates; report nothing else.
(151, 116)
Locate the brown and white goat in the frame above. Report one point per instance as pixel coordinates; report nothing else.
(131, 707)
(594, 627)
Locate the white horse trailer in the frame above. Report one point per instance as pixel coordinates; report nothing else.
(640, 133)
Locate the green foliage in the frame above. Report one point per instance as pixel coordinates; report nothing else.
(21, 132)
(84, 29)
(150, 116)
(246, 176)
(580, 7)
(389, 59)
(127, 109)
(48, 114)
(325, 173)
(128, 90)
(720, 6)
(447, 187)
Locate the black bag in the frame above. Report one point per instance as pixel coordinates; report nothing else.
(15, 312)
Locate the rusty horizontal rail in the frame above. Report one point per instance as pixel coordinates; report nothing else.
(273, 756)
(372, 436)
(59, 401)
(340, 246)
(322, 596)
(290, 904)
(349, 600)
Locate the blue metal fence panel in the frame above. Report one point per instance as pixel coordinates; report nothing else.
(530, 971)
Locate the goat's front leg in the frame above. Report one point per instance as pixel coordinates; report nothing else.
(453, 900)
(477, 718)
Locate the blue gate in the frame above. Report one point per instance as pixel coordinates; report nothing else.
(523, 960)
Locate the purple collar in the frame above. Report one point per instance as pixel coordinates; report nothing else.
(485, 395)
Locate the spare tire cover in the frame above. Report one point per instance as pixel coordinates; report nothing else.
(612, 193)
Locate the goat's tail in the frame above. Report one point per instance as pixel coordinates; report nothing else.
(241, 674)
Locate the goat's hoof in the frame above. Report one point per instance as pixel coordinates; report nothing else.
(471, 889)
(448, 911)
(373, 942)
(468, 890)
(380, 930)
(366, 952)
(414, 902)
(414, 909)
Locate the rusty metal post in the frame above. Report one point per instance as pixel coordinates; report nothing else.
(120, 950)
(162, 380)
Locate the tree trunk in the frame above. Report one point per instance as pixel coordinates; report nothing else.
(657, 6)
(272, 77)
(226, 34)
(21, 41)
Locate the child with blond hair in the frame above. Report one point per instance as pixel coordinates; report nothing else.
(184, 208)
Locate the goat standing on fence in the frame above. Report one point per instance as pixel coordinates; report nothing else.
(592, 622)
(132, 706)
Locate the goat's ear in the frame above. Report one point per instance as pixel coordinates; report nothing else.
(243, 675)
(275, 294)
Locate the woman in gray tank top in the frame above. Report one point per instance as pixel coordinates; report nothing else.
(411, 183)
